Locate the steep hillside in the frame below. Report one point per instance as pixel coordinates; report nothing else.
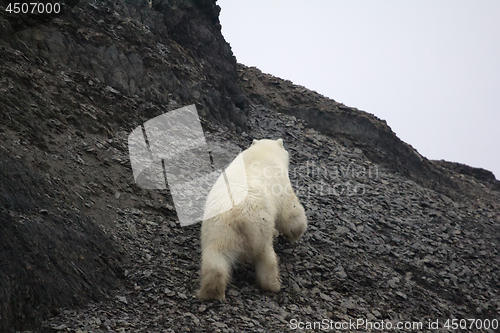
(360, 129)
(69, 83)
(392, 236)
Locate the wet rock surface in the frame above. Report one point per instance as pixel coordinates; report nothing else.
(84, 249)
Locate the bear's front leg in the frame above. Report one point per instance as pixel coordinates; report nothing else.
(266, 268)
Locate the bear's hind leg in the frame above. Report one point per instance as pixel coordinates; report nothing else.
(267, 272)
(215, 274)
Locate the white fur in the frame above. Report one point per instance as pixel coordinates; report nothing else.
(257, 187)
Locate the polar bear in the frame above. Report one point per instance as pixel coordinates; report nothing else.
(241, 226)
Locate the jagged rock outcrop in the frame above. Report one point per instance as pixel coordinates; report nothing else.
(168, 52)
(357, 128)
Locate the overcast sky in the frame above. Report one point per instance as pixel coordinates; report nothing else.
(430, 68)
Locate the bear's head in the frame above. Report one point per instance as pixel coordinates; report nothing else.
(273, 148)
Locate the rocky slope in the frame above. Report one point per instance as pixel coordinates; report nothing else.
(392, 236)
(360, 129)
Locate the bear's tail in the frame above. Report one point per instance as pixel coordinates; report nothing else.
(215, 274)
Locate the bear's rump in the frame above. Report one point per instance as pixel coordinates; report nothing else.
(245, 233)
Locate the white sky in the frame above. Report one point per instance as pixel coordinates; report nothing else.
(430, 68)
